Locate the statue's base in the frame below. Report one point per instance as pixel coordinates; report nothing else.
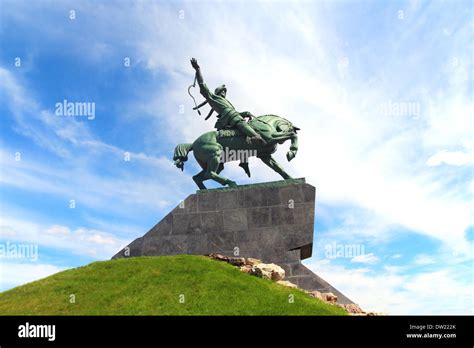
(271, 221)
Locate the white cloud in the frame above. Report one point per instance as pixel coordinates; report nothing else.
(80, 241)
(394, 291)
(7, 232)
(365, 258)
(85, 186)
(58, 230)
(453, 158)
(100, 239)
(15, 274)
(423, 260)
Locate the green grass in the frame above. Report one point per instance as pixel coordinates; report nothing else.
(153, 285)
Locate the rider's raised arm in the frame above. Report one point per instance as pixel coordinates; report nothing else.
(199, 78)
(206, 93)
(202, 86)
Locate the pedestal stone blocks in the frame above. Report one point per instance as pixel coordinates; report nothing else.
(271, 221)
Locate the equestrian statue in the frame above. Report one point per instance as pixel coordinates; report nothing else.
(259, 136)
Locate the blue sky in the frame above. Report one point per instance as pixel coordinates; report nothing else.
(381, 90)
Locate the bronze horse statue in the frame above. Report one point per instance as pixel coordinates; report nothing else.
(210, 148)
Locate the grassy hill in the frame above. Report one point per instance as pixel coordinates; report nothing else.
(155, 286)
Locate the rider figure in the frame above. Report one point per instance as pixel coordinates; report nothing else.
(227, 116)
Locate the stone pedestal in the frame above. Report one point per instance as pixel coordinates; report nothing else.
(271, 221)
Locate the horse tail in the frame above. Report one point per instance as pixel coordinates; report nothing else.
(181, 154)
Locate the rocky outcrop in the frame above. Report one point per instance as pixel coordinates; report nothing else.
(316, 294)
(274, 272)
(253, 266)
(268, 271)
(354, 309)
(287, 284)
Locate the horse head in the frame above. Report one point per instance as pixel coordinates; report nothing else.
(276, 130)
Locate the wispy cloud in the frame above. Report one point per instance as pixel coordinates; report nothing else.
(13, 274)
(453, 158)
(80, 240)
(86, 185)
(394, 291)
(365, 258)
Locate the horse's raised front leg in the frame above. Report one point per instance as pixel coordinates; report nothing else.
(270, 161)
